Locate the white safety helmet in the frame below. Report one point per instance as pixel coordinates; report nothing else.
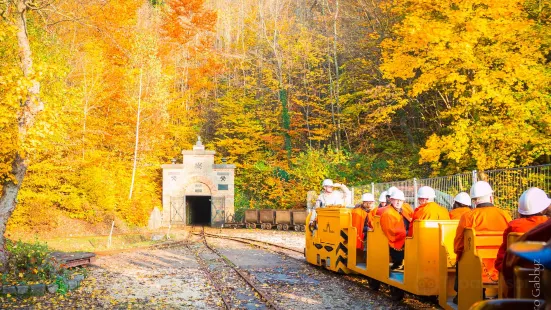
(398, 194)
(532, 201)
(327, 182)
(368, 197)
(382, 198)
(463, 198)
(426, 192)
(391, 190)
(481, 189)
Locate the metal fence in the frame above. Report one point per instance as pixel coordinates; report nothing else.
(508, 185)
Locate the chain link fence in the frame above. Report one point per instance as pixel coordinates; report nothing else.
(508, 185)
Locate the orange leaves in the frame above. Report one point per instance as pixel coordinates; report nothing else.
(186, 19)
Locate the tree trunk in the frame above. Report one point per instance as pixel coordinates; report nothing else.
(8, 201)
(30, 107)
(137, 137)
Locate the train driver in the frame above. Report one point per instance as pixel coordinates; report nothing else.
(394, 224)
(427, 208)
(485, 217)
(330, 197)
(461, 205)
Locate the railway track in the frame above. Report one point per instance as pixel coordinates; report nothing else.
(230, 282)
(353, 279)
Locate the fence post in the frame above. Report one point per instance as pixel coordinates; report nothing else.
(475, 176)
(415, 193)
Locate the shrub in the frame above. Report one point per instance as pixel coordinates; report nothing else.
(28, 262)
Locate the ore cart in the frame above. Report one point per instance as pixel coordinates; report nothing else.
(267, 218)
(299, 220)
(283, 219)
(251, 218)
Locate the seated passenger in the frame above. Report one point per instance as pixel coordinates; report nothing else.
(485, 217)
(360, 218)
(384, 206)
(382, 200)
(533, 207)
(540, 233)
(427, 209)
(395, 223)
(461, 205)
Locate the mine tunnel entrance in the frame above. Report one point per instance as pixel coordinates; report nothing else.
(198, 210)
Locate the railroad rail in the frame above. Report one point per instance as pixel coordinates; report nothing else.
(355, 280)
(264, 296)
(249, 241)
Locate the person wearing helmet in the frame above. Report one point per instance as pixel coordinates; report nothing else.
(330, 197)
(540, 233)
(427, 209)
(382, 200)
(485, 217)
(389, 192)
(461, 205)
(395, 223)
(533, 207)
(360, 218)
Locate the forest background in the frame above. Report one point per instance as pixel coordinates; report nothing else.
(290, 91)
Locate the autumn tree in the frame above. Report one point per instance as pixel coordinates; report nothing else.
(482, 61)
(27, 105)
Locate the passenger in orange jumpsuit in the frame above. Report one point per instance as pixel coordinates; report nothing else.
(533, 207)
(485, 217)
(540, 233)
(384, 205)
(428, 209)
(361, 218)
(382, 209)
(395, 223)
(461, 205)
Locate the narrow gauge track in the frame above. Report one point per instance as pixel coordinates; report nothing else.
(356, 280)
(251, 241)
(226, 292)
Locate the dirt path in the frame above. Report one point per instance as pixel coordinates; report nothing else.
(172, 278)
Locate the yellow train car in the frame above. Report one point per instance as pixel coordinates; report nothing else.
(477, 275)
(327, 246)
(447, 273)
(429, 261)
(422, 255)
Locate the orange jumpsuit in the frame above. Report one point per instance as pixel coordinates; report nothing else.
(428, 211)
(541, 233)
(520, 225)
(381, 210)
(393, 226)
(484, 217)
(456, 213)
(359, 216)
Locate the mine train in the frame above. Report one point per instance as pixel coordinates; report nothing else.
(429, 263)
(270, 218)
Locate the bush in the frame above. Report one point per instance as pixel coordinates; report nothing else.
(29, 262)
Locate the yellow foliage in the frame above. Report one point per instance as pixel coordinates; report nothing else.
(484, 61)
